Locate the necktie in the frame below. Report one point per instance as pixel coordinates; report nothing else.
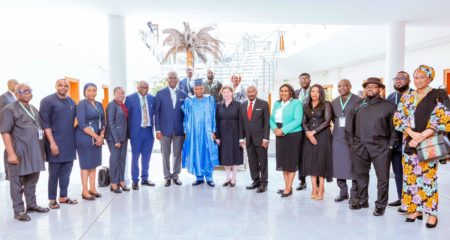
(145, 112)
(250, 111)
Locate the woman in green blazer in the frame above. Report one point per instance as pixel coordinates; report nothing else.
(286, 123)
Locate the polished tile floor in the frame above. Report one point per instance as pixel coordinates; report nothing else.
(186, 212)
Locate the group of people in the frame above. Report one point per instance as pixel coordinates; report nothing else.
(203, 124)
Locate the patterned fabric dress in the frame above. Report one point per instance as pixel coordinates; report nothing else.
(420, 187)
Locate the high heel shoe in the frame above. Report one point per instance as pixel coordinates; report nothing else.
(429, 225)
(124, 188)
(117, 190)
(319, 197)
(283, 195)
(225, 184)
(97, 195)
(232, 184)
(87, 198)
(420, 217)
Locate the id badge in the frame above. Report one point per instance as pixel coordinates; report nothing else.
(99, 125)
(342, 122)
(40, 134)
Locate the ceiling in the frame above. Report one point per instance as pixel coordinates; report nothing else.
(342, 12)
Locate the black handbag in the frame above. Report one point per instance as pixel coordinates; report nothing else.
(103, 177)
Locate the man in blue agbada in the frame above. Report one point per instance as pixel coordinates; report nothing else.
(200, 152)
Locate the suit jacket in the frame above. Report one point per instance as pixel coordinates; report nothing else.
(256, 129)
(183, 86)
(169, 120)
(6, 99)
(395, 99)
(116, 123)
(371, 127)
(292, 116)
(133, 104)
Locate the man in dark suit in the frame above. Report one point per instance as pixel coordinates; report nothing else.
(140, 125)
(302, 94)
(186, 84)
(401, 86)
(5, 99)
(254, 135)
(169, 126)
(370, 131)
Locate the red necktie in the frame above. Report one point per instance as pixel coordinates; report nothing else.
(250, 111)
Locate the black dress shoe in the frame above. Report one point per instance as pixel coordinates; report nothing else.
(37, 209)
(177, 182)
(357, 206)
(283, 195)
(117, 190)
(378, 212)
(135, 186)
(429, 225)
(148, 183)
(254, 185)
(341, 198)
(211, 183)
(261, 189)
(232, 184)
(22, 217)
(301, 186)
(125, 188)
(167, 184)
(97, 195)
(198, 182)
(397, 203)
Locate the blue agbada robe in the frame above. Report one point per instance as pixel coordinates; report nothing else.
(200, 152)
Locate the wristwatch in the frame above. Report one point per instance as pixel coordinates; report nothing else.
(391, 147)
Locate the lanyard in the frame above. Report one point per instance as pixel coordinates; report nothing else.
(99, 114)
(31, 114)
(344, 104)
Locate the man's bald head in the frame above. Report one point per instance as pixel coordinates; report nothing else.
(344, 87)
(252, 92)
(12, 83)
(23, 92)
(62, 87)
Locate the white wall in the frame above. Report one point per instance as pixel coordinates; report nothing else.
(38, 48)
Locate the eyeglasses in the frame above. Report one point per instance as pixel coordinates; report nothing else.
(400, 79)
(23, 92)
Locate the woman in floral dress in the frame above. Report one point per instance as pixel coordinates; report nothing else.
(420, 115)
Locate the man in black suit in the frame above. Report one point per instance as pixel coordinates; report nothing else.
(5, 99)
(254, 135)
(370, 132)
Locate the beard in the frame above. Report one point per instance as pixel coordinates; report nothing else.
(402, 88)
(371, 95)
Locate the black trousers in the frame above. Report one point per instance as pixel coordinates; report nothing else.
(23, 185)
(257, 161)
(342, 184)
(59, 173)
(361, 168)
(397, 167)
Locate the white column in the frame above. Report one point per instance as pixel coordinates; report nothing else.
(117, 53)
(395, 52)
(118, 66)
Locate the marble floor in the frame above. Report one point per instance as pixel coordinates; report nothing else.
(202, 212)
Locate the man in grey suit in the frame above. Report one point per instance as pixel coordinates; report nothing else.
(254, 136)
(169, 127)
(5, 99)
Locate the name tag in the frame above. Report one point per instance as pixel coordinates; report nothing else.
(40, 134)
(342, 122)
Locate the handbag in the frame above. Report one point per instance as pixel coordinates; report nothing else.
(434, 148)
(103, 177)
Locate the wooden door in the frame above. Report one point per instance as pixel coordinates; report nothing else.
(74, 88)
(105, 99)
(447, 80)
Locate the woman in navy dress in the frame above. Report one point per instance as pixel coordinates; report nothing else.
(228, 114)
(89, 137)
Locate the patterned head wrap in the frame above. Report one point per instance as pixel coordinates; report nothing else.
(86, 87)
(429, 71)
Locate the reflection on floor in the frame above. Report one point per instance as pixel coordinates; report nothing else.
(202, 212)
